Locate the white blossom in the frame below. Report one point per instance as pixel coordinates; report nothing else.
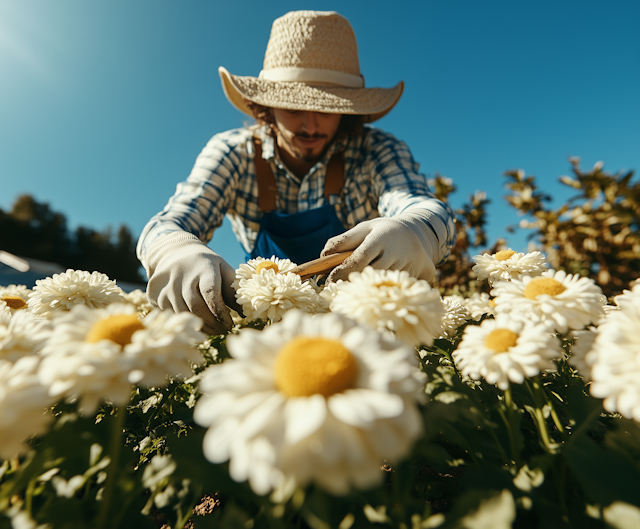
(310, 399)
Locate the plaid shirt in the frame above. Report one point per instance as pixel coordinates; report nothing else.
(381, 179)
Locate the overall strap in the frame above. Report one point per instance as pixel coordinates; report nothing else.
(268, 190)
(334, 180)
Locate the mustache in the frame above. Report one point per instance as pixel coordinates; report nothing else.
(308, 136)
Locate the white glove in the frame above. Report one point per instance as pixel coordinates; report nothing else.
(186, 275)
(404, 242)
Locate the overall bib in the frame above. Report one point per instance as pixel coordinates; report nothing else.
(296, 236)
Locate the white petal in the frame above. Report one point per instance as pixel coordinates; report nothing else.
(260, 417)
(136, 376)
(360, 407)
(303, 416)
(262, 457)
(217, 441)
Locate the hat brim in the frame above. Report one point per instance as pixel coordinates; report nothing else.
(372, 103)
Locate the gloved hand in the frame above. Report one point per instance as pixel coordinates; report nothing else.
(404, 242)
(186, 275)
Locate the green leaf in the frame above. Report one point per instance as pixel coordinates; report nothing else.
(436, 456)
(605, 475)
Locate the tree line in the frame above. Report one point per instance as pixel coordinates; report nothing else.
(34, 230)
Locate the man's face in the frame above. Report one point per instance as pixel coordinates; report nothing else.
(304, 136)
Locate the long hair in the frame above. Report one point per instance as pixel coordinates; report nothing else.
(350, 124)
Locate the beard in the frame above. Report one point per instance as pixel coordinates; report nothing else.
(306, 154)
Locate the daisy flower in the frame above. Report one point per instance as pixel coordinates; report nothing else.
(616, 370)
(456, 315)
(619, 301)
(22, 335)
(326, 295)
(23, 404)
(139, 300)
(455, 297)
(267, 295)
(508, 264)
(13, 298)
(391, 301)
(626, 295)
(311, 399)
(254, 266)
(608, 309)
(73, 287)
(503, 350)
(97, 354)
(15, 290)
(12, 304)
(480, 304)
(562, 301)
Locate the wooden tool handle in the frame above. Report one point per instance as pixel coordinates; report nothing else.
(319, 266)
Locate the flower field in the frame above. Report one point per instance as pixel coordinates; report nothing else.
(508, 396)
(370, 402)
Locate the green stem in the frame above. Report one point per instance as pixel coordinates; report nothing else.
(182, 520)
(538, 386)
(539, 400)
(509, 421)
(556, 419)
(146, 510)
(544, 431)
(28, 500)
(114, 455)
(87, 487)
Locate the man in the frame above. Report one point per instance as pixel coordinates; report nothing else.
(309, 178)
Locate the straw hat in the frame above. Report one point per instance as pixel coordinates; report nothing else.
(311, 63)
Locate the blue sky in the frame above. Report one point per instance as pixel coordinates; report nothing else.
(104, 105)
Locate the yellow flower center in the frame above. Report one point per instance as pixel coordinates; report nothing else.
(309, 366)
(387, 284)
(492, 302)
(500, 340)
(267, 265)
(118, 328)
(15, 302)
(503, 255)
(543, 285)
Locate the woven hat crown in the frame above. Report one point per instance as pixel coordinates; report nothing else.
(311, 64)
(322, 40)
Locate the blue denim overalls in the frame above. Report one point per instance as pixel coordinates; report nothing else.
(296, 236)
